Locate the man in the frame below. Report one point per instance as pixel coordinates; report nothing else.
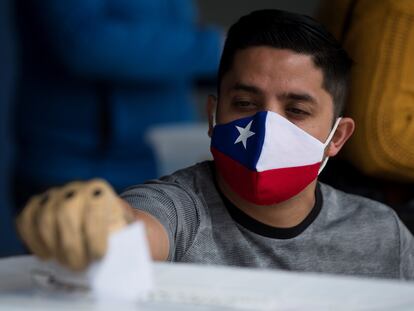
(282, 85)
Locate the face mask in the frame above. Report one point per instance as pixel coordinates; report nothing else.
(265, 158)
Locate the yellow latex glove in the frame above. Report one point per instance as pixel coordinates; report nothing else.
(72, 224)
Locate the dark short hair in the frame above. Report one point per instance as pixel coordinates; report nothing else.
(299, 33)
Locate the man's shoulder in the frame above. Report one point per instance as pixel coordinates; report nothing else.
(189, 178)
(197, 179)
(340, 204)
(191, 175)
(195, 183)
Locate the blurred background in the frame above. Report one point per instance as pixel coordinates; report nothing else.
(117, 89)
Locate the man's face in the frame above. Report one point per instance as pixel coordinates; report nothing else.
(282, 81)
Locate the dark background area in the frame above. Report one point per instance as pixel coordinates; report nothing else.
(226, 12)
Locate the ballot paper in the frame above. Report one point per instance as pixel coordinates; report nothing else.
(126, 279)
(125, 272)
(190, 287)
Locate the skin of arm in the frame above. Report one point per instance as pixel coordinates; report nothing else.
(156, 234)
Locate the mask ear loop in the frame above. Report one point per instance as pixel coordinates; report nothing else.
(328, 141)
(214, 119)
(215, 113)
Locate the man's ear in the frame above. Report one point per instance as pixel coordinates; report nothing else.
(344, 131)
(211, 111)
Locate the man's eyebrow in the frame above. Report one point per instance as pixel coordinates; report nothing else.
(299, 97)
(238, 86)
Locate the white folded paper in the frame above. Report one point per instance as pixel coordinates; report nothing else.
(125, 273)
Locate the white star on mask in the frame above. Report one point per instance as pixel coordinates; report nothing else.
(245, 133)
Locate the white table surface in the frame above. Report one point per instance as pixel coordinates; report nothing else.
(195, 287)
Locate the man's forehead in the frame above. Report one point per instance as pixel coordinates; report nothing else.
(268, 59)
(270, 67)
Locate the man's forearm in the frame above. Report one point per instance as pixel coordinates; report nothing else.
(157, 236)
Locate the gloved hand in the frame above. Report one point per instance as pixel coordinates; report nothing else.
(72, 224)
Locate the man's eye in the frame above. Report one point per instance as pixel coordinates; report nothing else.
(243, 104)
(297, 111)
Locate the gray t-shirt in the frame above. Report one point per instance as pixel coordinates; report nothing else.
(344, 234)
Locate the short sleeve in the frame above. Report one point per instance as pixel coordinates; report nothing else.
(175, 207)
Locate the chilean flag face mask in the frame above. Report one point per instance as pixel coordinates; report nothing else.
(265, 158)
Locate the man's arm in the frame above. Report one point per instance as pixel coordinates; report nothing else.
(174, 208)
(156, 234)
(72, 224)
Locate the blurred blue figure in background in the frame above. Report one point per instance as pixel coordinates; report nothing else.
(9, 244)
(96, 74)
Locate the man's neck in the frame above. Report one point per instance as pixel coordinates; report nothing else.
(286, 214)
